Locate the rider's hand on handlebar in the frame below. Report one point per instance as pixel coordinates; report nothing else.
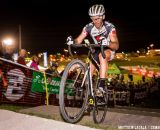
(105, 41)
(69, 40)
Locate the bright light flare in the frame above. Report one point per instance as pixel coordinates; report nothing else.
(8, 42)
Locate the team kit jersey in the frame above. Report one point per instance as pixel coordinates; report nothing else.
(96, 35)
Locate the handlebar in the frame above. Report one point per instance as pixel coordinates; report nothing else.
(89, 46)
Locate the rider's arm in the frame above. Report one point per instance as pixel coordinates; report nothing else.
(81, 37)
(114, 43)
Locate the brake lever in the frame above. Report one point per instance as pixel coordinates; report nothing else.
(69, 47)
(69, 50)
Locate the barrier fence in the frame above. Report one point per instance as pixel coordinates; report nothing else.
(23, 85)
(15, 84)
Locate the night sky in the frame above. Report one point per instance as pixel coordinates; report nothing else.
(46, 24)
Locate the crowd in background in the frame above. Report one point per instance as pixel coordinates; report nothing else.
(131, 93)
(52, 69)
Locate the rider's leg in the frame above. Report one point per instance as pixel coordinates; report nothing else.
(103, 68)
(104, 63)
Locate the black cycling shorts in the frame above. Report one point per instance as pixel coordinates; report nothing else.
(95, 58)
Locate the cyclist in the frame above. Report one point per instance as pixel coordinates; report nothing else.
(99, 30)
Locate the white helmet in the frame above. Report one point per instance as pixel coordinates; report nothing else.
(96, 10)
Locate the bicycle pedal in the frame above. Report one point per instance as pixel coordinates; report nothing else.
(101, 104)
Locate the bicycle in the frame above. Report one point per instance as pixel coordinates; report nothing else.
(80, 86)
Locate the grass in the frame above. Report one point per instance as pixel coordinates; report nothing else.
(83, 123)
(152, 63)
(12, 107)
(136, 78)
(145, 61)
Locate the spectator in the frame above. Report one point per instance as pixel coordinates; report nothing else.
(143, 78)
(3, 81)
(8, 54)
(21, 58)
(53, 70)
(130, 77)
(121, 77)
(35, 62)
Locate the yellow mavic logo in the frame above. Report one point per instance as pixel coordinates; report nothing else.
(91, 101)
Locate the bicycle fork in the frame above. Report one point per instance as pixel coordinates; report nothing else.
(91, 99)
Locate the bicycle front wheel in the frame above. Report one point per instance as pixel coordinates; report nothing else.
(73, 93)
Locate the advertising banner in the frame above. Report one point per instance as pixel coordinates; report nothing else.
(53, 84)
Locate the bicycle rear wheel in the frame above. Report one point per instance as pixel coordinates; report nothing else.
(73, 93)
(100, 108)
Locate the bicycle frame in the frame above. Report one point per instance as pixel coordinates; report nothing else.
(86, 91)
(90, 84)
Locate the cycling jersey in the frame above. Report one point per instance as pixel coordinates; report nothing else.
(95, 33)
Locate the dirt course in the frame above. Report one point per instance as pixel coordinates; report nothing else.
(117, 118)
